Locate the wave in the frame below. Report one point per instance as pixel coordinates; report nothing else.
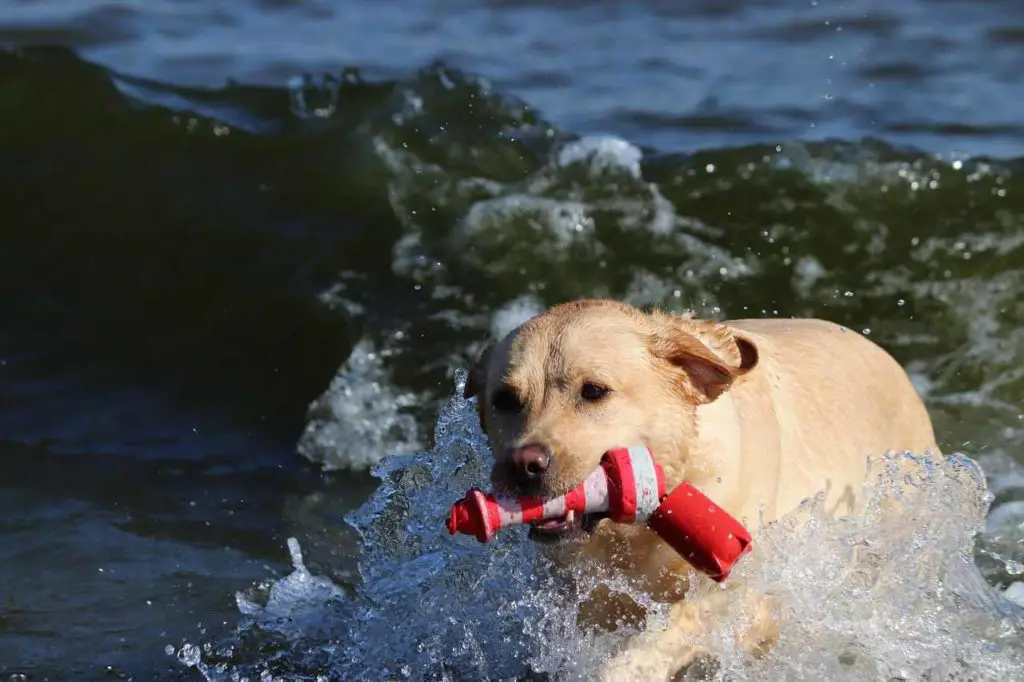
(318, 260)
(863, 598)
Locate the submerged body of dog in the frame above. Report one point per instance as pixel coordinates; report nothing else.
(760, 414)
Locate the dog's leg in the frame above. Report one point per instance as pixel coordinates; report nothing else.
(657, 656)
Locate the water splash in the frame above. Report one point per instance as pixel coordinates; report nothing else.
(862, 598)
(300, 592)
(360, 418)
(877, 597)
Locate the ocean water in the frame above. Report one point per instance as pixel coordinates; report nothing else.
(247, 246)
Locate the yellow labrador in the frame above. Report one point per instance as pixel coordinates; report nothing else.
(760, 414)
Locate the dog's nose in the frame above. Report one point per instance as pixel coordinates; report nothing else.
(530, 463)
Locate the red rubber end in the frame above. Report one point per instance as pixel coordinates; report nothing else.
(703, 533)
(468, 516)
(452, 524)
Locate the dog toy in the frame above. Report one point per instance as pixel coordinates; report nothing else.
(628, 487)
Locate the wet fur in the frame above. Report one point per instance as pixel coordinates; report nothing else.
(759, 414)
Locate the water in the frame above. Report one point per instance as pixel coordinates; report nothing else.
(223, 304)
(863, 598)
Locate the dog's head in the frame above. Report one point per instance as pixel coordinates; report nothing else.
(584, 377)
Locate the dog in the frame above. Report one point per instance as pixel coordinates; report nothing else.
(759, 414)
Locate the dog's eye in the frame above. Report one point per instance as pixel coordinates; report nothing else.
(593, 392)
(506, 400)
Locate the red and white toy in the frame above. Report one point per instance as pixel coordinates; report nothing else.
(629, 487)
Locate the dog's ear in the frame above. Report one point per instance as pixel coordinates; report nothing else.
(476, 381)
(710, 353)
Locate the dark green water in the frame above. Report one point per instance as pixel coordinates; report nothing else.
(184, 269)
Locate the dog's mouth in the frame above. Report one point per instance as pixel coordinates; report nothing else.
(572, 525)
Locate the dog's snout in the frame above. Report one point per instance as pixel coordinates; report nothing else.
(530, 463)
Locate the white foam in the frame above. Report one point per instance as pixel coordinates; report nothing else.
(359, 419)
(1001, 546)
(1004, 474)
(861, 598)
(1015, 593)
(807, 272)
(550, 224)
(513, 314)
(602, 154)
(555, 231)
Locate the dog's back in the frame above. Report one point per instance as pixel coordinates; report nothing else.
(838, 399)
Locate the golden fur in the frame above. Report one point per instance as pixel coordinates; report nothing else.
(760, 414)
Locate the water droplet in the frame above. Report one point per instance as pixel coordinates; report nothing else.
(901, 302)
(867, 331)
(189, 655)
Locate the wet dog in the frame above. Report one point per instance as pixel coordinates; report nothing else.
(760, 414)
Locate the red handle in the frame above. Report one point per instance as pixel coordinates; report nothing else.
(703, 533)
(471, 516)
